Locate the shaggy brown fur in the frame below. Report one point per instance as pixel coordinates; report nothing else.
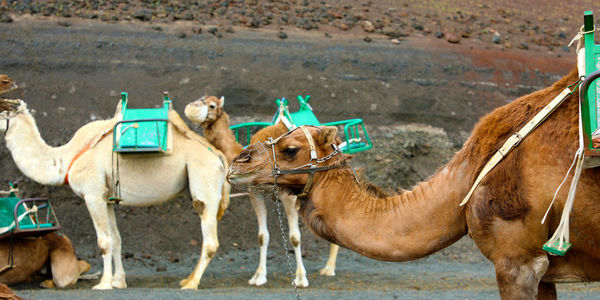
(503, 215)
(215, 125)
(33, 254)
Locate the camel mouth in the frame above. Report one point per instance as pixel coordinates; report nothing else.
(196, 114)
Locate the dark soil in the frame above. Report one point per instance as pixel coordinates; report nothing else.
(419, 96)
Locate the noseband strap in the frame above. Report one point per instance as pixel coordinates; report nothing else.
(310, 168)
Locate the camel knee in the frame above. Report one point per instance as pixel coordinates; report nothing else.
(210, 249)
(104, 244)
(295, 239)
(199, 206)
(263, 239)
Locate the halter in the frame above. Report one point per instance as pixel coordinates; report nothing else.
(311, 168)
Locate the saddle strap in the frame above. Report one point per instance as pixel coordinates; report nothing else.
(514, 140)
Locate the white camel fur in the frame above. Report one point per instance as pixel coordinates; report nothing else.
(145, 179)
(209, 113)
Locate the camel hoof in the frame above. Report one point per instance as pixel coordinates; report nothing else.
(184, 282)
(258, 279)
(102, 286)
(327, 271)
(301, 282)
(190, 286)
(47, 284)
(119, 284)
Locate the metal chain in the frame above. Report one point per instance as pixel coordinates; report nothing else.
(287, 254)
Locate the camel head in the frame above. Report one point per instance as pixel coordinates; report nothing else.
(291, 151)
(205, 110)
(9, 108)
(6, 84)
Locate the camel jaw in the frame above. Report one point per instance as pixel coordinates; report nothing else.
(197, 114)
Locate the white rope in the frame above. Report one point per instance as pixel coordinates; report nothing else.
(560, 186)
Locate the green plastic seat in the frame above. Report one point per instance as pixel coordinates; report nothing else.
(142, 129)
(29, 223)
(356, 138)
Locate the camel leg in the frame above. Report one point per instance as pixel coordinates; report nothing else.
(519, 278)
(207, 210)
(119, 275)
(289, 203)
(258, 202)
(329, 269)
(546, 291)
(99, 212)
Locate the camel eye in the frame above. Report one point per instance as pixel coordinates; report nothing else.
(212, 106)
(291, 152)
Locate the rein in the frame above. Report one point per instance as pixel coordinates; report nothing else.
(310, 168)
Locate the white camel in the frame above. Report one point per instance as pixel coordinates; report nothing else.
(209, 113)
(86, 164)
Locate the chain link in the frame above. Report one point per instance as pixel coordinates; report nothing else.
(285, 246)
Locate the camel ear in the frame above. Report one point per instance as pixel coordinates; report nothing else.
(221, 101)
(327, 136)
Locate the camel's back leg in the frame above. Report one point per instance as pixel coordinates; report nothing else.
(206, 195)
(258, 202)
(289, 203)
(547, 291)
(119, 275)
(329, 269)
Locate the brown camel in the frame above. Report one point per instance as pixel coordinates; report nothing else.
(209, 113)
(31, 255)
(502, 217)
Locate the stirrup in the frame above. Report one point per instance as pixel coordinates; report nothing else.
(554, 247)
(114, 200)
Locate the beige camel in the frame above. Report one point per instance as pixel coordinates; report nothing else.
(209, 113)
(30, 255)
(503, 216)
(145, 179)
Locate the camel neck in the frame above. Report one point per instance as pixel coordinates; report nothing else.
(36, 159)
(393, 228)
(219, 134)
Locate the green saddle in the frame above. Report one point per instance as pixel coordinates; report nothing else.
(142, 129)
(25, 219)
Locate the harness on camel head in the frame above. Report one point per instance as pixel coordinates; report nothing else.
(586, 155)
(311, 167)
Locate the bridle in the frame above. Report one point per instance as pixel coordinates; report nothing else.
(310, 168)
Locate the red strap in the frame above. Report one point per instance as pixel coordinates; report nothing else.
(86, 148)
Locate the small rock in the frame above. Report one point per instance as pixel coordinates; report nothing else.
(157, 28)
(63, 23)
(523, 46)
(562, 35)
(143, 15)
(197, 30)
(5, 18)
(439, 34)
(496, 39)
(193, 242)
(565, 48)
(452, 38)
(368, 26)
(181, 35)
(229, 30)
(418, 27)
(395, 41)
(367, 39)
(161, 269)
(327, 35)
(282, 35)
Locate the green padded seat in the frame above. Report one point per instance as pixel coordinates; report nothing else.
(142, 129)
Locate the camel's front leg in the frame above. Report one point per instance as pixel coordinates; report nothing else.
(119, 276)
(289, 203)
(329, 269)
(98, 209)
(210, 242)
(258, 202)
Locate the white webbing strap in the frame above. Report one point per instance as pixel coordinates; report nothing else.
(514, 140)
